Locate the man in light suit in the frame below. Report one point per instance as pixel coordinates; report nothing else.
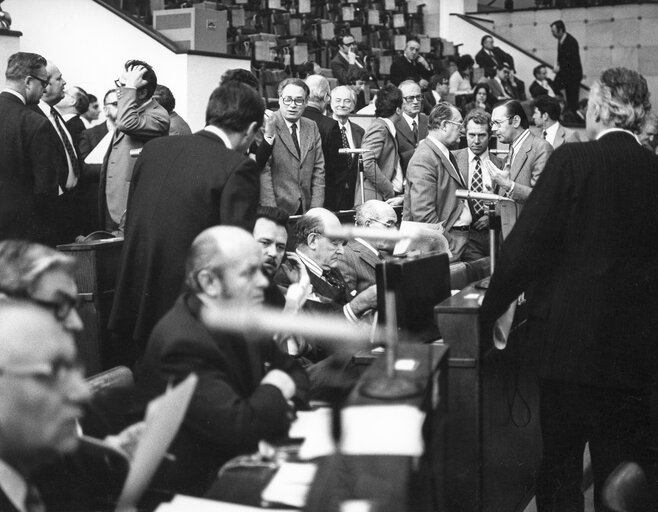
(139, 119)
(343, 102)
(293, 177)
(470, 162)
(383, 175)
(411, 126)
(433, 177)
(525, 161)
(546, 117)
(357, 262)
(591, 285)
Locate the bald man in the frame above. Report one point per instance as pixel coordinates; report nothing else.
(236, 403)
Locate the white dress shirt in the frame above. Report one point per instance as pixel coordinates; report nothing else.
(71, 179)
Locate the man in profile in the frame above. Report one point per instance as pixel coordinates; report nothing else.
(236, 403)
(542, 85)
(591, 286)
(180, 187)
(546, 117)
(568, 70)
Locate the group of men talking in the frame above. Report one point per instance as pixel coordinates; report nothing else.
(207, 227)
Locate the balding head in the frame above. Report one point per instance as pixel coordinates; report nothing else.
(43, 388)
(375, 214)
(319, 90)
(224, 264)
(54, 93)
(311, 241)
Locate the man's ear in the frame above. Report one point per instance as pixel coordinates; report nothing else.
(252, 129)
(311, 241)
(141, 94)
(209, 283)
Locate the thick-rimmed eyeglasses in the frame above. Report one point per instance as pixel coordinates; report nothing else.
(44, 83)
(288, 100)
(454, 122)
(496, 124)
(60, 308)
(411, 99)
(51, 373)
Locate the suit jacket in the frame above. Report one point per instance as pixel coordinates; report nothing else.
(348, 172)
(135, 125)
(405, 138)
(178, 125)
(289, 179)
(75, 126)
(379, 163)
(331, 142)
(591, 283)
(180, 187)
(429, 102)
(89, 139)
(461, 156)
(537, 89)
(564, 135)
(497, 90)
(484, 60)
(61, 158)
(28, 176)
(344, 72)
(568, 58)
(230, 411)
(518, 89)
(402, 69)
(357, 265)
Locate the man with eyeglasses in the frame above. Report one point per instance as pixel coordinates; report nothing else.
(318, 98)
(346, 66)
(293, 178)
(139, 119)
(343, 103)
(27, 153)
(525, 161)
(411, 65)
(433, 176)
(411, 126)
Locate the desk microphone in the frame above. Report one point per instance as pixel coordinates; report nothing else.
(480, 196)
(356, 151)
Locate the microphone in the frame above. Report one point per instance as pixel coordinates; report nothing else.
(480, 196)
(357, 151)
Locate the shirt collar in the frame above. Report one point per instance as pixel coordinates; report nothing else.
(368, 246)
(551, 131)
(220, 133)
(289, 124)
(15, 93)
(442, 147)
(310, 264)
(519, 140)
(14, 485)
(391, 126)
(610, 130)
(410, 119)
(564, 36)
(471, 156)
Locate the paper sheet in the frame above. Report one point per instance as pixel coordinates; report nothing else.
(290, 484)
(182, 503)
(98, 153)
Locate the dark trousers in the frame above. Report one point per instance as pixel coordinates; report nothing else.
(614, 422)
(572, 90)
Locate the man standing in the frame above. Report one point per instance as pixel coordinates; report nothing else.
(525, 161)
(180, 187)
(433, 177)
(177, 125)
(237, 402)
(471, 163)
(491, 56)
(411, 126)
(27, 152)
(438, 91)
(319, 96)
(568, 70)
(411, 66)
(542, 85)
(546, 117)
(592, 290)
(139, 119)
(343, 101)
(293, 178)
(93, 112)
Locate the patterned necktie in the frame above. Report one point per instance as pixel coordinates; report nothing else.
(346, 145)
(414, 129)
(293, 130)
(544, 134)
(65, 139)
(510, 156)
(477, 185)
(33, 501)
(337, 284)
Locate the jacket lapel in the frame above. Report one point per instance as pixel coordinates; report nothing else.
(366, 255)
(403, 127)
(521, 158)
(305, 138)
(284, 134)
(447, 164)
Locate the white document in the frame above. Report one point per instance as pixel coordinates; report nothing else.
(164, 416)
(290, 484)
(98, 153)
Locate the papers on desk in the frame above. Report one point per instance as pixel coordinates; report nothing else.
(367, 430)
(290, 484)
(182, 503)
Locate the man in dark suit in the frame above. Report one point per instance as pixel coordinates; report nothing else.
(591, 286)
(542, 85)
(411, 65)
(491, 56)
(330, 134)
(346, 66)
(439, 89)
(569, 70)
(343, 101)
(237, 402)
(180, 187)
(27, 153)
(72, 106)
(411, 126)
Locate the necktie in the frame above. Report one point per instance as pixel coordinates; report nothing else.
(477, 185)
(337, 284)
(414, 129)
(544, 134)
(33, 501)
(293, 130)
(346, 145)
(510, 156)
(65, 139)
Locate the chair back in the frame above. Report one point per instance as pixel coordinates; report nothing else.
(626, 490)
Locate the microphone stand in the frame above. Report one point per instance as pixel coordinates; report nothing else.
(361, 177)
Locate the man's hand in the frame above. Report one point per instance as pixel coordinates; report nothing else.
(500, 176)
(364, 301)
(127, 440)
(351, 57)
(395, 201)
(134, 77)
(269, 128)
(481, 223)
(425, 64)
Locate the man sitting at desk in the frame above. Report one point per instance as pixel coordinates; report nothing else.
(235, 404)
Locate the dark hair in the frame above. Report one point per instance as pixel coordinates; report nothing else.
(438, 78)
(92, 98)
(234, 106)
(537, 69)
(165, 98)
(490, 99)
(514, 108)
(479, 116)
(484, 38)
(389, 98)
(559, 25)
(110, 91)
(306, 225)
(240, 75)
(22, 64)
(341, 39)
(293, 81)
(81, 100)
(273, 213)
(550, 106)
(464, 62)
(149, 76)
(442, 111)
